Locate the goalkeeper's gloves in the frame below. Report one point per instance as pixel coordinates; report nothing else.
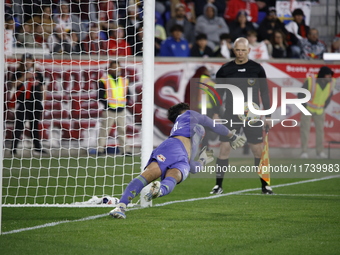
(237, 141)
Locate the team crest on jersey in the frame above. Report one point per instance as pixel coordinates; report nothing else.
(161, 158)
(251, 81)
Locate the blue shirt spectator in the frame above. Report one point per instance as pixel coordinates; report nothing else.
(175, 46)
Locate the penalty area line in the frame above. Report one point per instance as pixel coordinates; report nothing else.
(169, 203)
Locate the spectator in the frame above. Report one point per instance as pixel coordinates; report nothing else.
(240, 26)
(62, 42)
(219, 4)
(75, 42)
(107, 16)
(85, 10)
(25, 37)
(160, 36)
(45, 20)
(269, 24)
(321, 89)
(92, 44)
(188, 10)
(69, 21)
(139, 44)
(336, 44)
(112, 94)
(264, 5)
(258, 50)
(234, 6)
(180, 19)
(175, 45)
(160, 6)
(131, 24)
(211, 25)
(160, 32)
(297, 30)
(225, 49)
(200, 48)
(117, 44)
(10, 28)
(39, 36)
(27, 102)
(279, 45)
(312, 47)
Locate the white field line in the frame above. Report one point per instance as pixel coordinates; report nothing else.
(172, 202)
(292, 195)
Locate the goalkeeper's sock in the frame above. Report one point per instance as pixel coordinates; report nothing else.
(219, 173)
(167, 185)
(133, 189)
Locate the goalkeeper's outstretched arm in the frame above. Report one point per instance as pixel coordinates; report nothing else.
(234, 139)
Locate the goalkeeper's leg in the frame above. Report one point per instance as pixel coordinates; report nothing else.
(166, 186)
(151, 173)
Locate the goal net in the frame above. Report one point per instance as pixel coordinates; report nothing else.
(73, 100)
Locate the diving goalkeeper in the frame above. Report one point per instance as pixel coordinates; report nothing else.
(171, 159)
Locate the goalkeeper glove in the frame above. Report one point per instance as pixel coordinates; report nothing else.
(237, 140)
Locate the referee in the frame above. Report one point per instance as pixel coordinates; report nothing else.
(243, 73)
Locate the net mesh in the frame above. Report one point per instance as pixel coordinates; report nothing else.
(57, 55)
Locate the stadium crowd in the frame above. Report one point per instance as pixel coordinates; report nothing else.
(183, 28)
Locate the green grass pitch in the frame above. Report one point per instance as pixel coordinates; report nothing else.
(300, 219)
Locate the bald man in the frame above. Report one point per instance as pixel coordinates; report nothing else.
(243, 73)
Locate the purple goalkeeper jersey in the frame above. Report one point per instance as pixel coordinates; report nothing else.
(186, 122)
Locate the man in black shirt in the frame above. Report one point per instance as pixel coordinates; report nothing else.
(27, 101)
(243, 73)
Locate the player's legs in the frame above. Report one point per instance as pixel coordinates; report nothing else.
(34, 127)
(256, 149)
(121, 131)
(173, 176)
(304, 133)
(319, 121)
(221, 161)
(151, 173)
(107, 120)
(18, 128)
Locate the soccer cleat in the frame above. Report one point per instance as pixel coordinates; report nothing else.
(14, 152)
(40, 152)
(101, 153)
(322, 155)
(204, 158)
(267, 190)
(154, 192)
(118, 212)
(304, 155)
(216, 190)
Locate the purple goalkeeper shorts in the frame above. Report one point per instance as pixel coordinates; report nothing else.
(171, 154)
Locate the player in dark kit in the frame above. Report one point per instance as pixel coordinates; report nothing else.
(28, 102)
(244, 74)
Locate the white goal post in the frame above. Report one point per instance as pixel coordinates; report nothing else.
(72, 173)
